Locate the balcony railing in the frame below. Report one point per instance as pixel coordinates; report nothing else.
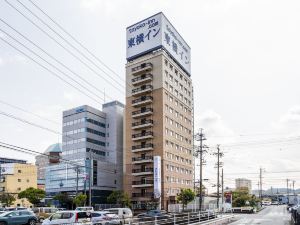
(148, 157)
(145, 170)
(141, 100)
(142, 78)
(142, 89)
(145, 195)
(143, 134)
(142, 67)
(141, 123)
(149, 110)
(141, 182)
(141, 147)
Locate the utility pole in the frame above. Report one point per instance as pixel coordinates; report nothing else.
(199, 152)
(287, 189)
(222, 190)
(90, 179)
(294, 187)
(258, 190)
(260, 182)
(218, 165)
(77, 177)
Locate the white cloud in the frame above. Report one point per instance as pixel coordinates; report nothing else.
(214, 127)
(289, 122)
(1, 62)
(69, 96)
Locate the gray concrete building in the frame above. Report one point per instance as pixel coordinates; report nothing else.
(92, 150)
(243, 183)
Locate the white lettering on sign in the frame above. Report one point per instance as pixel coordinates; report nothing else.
(157, 32)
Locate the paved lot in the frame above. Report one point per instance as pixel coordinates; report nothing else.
(271, 215)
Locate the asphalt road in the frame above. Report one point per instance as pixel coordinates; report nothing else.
(271, 215)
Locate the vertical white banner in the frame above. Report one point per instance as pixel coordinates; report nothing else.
(157, 176)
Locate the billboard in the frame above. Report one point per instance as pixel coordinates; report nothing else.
(157, 32)
(157, 176)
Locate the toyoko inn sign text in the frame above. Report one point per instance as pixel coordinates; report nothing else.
(157, 32)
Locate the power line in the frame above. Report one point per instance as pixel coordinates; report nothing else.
(74, 39)
(24, 110)
(28, 122)
(51, 37)
(52, 57)
(46, 68)
(33, 152)
(55, 67)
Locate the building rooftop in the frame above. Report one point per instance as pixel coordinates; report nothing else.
(54, 148)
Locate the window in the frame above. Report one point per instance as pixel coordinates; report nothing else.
(66, 215)
(56, 216)
(19, 171)
(19, 189)
(19, 180)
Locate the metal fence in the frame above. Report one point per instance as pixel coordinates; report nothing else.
(176, 218)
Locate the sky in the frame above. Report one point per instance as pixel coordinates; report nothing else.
(245, 72)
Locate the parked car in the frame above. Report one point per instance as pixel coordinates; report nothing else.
(65, 217)
(86, 209)
(151, 214)
(275, 203)
(125, 214)
(267, 203)
(105, 218)
(43, 213)
(18, 217)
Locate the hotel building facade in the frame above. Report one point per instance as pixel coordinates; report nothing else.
(158, 157)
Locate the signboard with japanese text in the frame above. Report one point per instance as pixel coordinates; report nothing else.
(157, 176)
(157, 32)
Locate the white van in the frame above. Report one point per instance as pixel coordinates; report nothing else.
(125, 214)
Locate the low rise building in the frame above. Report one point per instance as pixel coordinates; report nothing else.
(17, 177)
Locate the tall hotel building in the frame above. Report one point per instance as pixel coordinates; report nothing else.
(158, 157)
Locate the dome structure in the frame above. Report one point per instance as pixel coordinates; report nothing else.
(54, 148)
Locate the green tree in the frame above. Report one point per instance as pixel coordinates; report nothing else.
(185, 196)
(79, 200)
(119, 197)
(64, 199)
(241, 197)
(33, 195)
(7, 199)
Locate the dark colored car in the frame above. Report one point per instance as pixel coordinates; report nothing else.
(152, 214)
(19, 217)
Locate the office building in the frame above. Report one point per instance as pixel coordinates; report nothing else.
(17, 177)
(159, 114)
(92, 152)
(243, 183)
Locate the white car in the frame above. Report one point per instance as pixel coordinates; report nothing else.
(86, 209)
(105, 218)
(125, 214)
(66, 217)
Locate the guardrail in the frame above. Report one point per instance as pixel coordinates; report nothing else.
(176, 219)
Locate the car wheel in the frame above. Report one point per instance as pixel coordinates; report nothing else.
(2, 223)
(32, 222)
(107, 223)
